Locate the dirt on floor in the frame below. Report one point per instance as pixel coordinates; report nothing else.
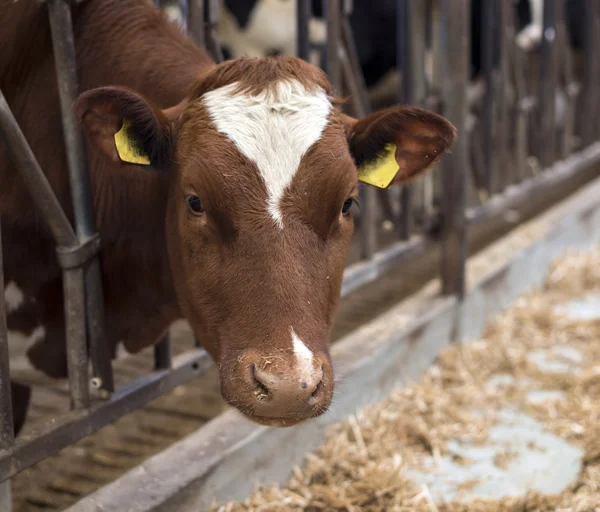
(365, 462)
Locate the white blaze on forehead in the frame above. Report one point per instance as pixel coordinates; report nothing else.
(304, 356)
(273, 129)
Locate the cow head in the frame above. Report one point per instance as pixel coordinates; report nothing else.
(263, 171)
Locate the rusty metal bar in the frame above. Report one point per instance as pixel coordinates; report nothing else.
(63, 43)
(37, 184)
(196, 22)
(547, 88)
(74, 425)
(303, 15)
(162, 354)
(6, 409)
(454, 232)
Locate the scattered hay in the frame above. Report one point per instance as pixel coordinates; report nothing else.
(360, 466)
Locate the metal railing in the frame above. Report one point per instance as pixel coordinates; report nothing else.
(510, 148)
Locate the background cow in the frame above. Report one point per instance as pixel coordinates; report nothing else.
(222, 194)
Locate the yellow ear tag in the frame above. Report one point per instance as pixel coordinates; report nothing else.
(127, 148)
(381, 171)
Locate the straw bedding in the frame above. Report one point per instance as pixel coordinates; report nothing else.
(361, 465)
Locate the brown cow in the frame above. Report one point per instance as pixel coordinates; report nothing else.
(244, 225)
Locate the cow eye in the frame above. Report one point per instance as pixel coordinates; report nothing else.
(347, 205)
(194, 204)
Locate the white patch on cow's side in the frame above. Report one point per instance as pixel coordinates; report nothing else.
(273, 129)
(13, 296)
(304, 356)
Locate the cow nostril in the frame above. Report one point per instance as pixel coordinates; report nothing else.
(261, 392)
(319, 389)
(318, 392)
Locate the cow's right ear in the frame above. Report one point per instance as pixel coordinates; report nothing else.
(125, 126)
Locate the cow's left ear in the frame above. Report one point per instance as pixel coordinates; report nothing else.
(394, 145)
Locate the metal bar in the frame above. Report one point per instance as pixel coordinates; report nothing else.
(70, 427)
(405, 61)
(185, 13)
(63, 43)
(487, 115)
(537, 188)
(6, 409)
(351, 51)
(366, 272)
(37, 184)
(501, 176)
(367, 196)
(6, 496)
(588, 104)
(75, 323)
(303, 15)
(213, 14)
(332, 64)
(547, 88)
(196, 23)
(595, 128)
(454, 232)
(162, 354)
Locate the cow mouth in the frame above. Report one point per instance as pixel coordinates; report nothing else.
(276, 422)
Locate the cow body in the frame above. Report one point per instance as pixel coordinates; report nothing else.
(240, 221)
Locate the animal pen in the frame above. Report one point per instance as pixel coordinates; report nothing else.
(514, 156)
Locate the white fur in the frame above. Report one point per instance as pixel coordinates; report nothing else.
(13, 296)
(304, 356)
(273, 129)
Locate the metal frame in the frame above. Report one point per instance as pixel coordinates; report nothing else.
(502, 115)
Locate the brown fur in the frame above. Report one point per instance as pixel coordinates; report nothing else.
(239, 281)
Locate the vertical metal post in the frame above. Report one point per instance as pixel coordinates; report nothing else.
(454, 230)
(196, 23)
(92, 309)
(185, 12)
(590, 96)
(546, 112)
(5, 496)
(6, 409)
(501, 177)
(303, 15)
(162, 353)
(333, 67)
(488, 12)
(405, 61)
(213, 15)
(411, 17)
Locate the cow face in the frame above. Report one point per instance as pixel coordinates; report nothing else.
(263, 176)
